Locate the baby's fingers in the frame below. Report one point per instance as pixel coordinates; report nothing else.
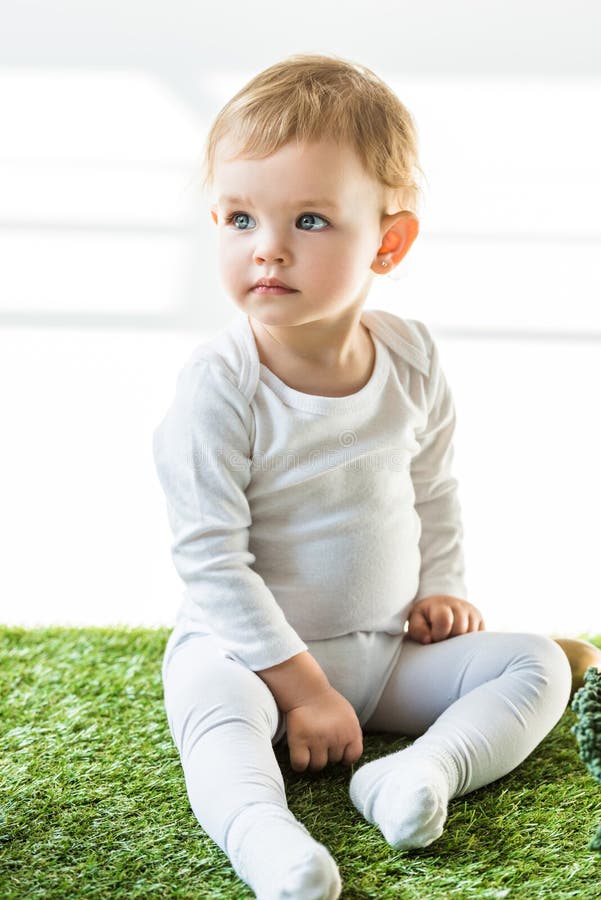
(300, 756)
(476, 622)
(418, 626)
(461, 621)
(444, 622)
(353, 751)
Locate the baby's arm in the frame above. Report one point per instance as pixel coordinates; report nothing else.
(293, 681)
(321, 725)
(436, 497)
(202, 455)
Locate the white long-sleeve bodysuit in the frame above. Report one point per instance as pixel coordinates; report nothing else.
(299, 518)
(313, 523)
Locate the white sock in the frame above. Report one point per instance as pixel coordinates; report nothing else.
(406, 795)
(276, 856)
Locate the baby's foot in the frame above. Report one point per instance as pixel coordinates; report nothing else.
(315, 877)
(405, 795)
(276, 856)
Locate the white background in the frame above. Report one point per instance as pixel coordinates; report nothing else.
(108, 280)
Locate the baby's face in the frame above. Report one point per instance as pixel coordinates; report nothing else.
(307, 215)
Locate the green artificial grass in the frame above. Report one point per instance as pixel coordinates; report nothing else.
(93, 799)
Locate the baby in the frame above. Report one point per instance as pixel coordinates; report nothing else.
(306, 461)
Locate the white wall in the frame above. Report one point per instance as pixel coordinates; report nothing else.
(108, 280)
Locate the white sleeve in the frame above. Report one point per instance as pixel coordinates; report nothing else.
(202, 456)
(442, 568)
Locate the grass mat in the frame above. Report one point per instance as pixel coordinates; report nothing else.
(93, 800)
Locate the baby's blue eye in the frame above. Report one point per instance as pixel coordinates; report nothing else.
(234, 216)
(237, 216)
(313, 216)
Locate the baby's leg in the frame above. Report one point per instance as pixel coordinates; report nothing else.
(481, 702)
(222, 718)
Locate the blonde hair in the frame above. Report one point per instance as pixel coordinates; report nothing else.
(310, 97)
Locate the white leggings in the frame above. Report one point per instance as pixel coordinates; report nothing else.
(485, 698)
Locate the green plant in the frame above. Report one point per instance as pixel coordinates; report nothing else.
(586, 703)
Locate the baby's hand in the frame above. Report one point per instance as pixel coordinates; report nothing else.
(439, 617)
(324, 729)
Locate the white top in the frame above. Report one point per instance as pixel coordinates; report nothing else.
(298, 517)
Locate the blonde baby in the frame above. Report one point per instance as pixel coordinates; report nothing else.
(306, 461)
